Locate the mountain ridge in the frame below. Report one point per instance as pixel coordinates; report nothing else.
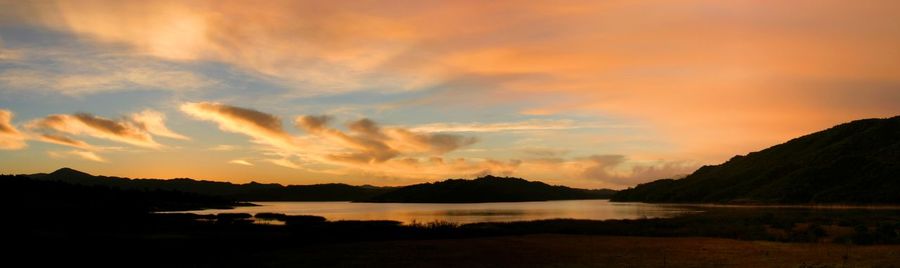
(254, 191)
(251, 191)
(854, 162)
(486, 189)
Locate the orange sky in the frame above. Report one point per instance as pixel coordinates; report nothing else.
(583, 93)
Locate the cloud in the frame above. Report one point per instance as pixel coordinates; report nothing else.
(369, 143)
(284, 162)
(366, 127)
(365, 146)
(612, 169)
(224, 148)
(240, 162)
(65, 64)
(154, 122)
(529, 125)
(137, 129)
(436, 167)
(261, 127)
(85, 77)
(435, 143)
(544, 152)
(316, 49)
(313, 123)
(10, 137)
(63, 140)
(709, 79)
(8, 54)
(94, 126)
(753, 73)
(602, 167)
(86, 155)
(594, 171)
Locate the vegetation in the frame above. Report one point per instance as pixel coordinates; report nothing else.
(486, 189)
(852, 163)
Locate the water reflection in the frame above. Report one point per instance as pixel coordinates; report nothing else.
(482, 212)
(466, 213)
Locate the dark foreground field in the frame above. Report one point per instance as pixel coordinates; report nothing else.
(51, 224)
(549, 250)
(538, 250)
(716, 238)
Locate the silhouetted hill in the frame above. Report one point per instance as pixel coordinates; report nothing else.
(246, 192)
(856, 162)
(486, 189)
(42, 196)
(71, 173)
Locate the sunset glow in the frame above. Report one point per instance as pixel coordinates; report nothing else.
(592, 94)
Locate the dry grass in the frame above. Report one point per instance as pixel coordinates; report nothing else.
(587, 251)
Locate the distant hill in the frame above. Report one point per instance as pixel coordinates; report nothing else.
(854, 163)
(246, 192)
(42, 196)
(486, 189)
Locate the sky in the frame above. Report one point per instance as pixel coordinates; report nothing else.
(595, 94)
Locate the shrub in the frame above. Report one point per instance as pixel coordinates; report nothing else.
(270, 216)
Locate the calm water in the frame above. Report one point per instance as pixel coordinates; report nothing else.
(465, 213)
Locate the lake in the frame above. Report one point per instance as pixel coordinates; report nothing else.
(465, 213)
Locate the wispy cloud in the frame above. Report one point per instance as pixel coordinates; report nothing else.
(154, 123)
(91, 78)
(63, 140)
(10, 137)
(261, 127)
(367, 142)
(583, 57)
(371, 143)
(284, 162)
(240, 162)
(435, 167)
(8, 54)
(137, 129)
(366, 148)
(86, 155)
(314, 51)
(94, 126)
(528, 125)
(544, 152)
(707, 78)
(604, 170)
(612, 169)
(224, 148)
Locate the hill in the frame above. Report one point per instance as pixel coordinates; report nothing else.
(852, 163)
(486, 189)
(246, 192)
(46, 197)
